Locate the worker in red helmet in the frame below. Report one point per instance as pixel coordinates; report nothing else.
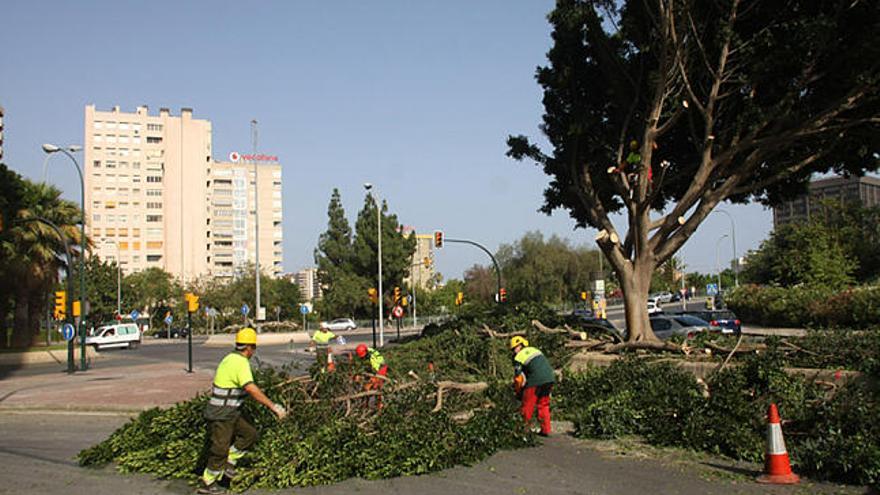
(377, 362)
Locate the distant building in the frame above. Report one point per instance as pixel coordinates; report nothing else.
(421, 273)
(155, 197)
(860, 190)
(309, 286)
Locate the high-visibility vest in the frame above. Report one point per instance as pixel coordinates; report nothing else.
(233, 374)
(322, 338)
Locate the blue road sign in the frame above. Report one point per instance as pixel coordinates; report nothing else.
(245, 309)
(304, 309)
(134, 315)
(169, 319)
(712, 289)
(68, 331)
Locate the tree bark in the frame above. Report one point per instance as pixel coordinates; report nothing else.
(21, 337)
(636, 284)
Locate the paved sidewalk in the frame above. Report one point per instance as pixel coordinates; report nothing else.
(124, 389)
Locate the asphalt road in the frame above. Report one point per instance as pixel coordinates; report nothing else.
(38, 457)
(174, 352)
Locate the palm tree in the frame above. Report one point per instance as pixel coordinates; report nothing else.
(36, 254)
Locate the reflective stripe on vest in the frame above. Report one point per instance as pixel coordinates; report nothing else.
(525, 355)
(231, 397)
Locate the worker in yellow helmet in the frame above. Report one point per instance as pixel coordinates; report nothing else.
(230, 434)
(533, 379)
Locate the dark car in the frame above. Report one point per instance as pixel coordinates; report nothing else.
(723, 318)
(582, 313)
(174, 333)
(665, 326)
(590, 322)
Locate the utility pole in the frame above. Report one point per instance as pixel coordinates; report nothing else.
(256, 222)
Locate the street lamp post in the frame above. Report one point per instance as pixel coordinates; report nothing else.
(256, 224)
(118, 279)
(733, 241)
(717, 265)
(369, 188)
(51, 148)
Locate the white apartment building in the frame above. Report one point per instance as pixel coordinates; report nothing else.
(309, 285)
(149, 188)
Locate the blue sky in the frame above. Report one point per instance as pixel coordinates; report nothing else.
(415, 97)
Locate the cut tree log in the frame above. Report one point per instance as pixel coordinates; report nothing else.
(499, 335)
(648, 345)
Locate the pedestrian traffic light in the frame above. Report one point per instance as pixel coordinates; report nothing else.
(60, 304)
(373, 294)
(502, 295)
(459, 298)
(396, 294)
(438, 239)
(192, 302)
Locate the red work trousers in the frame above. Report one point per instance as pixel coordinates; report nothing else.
(539, 395)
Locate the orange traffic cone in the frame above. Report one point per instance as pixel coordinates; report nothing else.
(777, 468)
(331, 366)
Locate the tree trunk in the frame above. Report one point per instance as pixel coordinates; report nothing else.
(21, 333)
(635, 286)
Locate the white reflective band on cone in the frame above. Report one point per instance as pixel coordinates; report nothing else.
(775, 443)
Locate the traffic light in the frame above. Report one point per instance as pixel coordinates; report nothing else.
(192, 302)
(396, 294)
(404, 301)
(438, 239)
(583, 295)
(502, 295)
(77, 310)
(459, 298)
(60, 304)
(373, 294)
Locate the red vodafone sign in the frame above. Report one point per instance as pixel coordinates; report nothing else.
(236, 157)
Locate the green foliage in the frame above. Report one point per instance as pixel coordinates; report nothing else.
(806, 306)
(347, 263)
(546, 271)
(327, 438)
(814, 254)
(829, 436)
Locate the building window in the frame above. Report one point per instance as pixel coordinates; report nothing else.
(96, 217)
(154, 205)
(154, 127)
(154, 192)
(96, 163)
(154, 218)
(154, 178)
(154, 257)
(153, 140)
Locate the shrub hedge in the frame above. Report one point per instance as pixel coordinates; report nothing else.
(806, 306)
(834, 437)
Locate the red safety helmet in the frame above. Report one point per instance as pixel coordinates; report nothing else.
(361, 350)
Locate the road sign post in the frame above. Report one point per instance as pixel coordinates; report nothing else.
(304, 310)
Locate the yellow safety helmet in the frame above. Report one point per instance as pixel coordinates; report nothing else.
(517, 340)
(246, 336)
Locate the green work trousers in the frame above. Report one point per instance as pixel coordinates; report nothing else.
(222, 433)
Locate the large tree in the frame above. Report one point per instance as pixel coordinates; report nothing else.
(344, 291)
(31, 253)
(662, 109)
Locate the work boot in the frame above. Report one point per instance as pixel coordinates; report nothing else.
(229, 472)
(212, 489)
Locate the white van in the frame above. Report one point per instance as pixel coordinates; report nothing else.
(119, 335)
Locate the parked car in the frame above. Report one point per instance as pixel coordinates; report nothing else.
(665, 326)
(341, 324)
(588, 321)
(582, 313)
(654, 307)
(723, 318)
(173, 333)
(123, 335)
(662, 297)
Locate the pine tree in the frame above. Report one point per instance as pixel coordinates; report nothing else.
(344, 291)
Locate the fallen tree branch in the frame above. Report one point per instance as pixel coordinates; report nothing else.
(646, 345)
(732, 352)
(499, 335)
(543, 328)
(798, 348)
(744, 350)
(461, 387)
